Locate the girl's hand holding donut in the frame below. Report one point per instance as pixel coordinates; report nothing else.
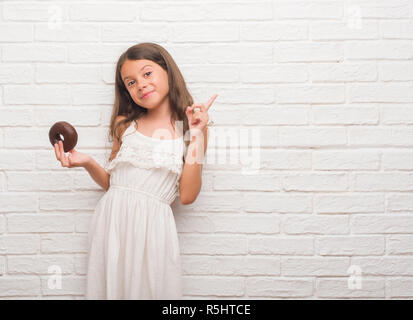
(74, 159)
(199, 119)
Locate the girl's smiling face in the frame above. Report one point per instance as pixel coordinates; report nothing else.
(143, 76)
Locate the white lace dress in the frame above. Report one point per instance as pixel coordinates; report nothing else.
(133, 242)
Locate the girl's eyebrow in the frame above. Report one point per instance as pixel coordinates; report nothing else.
(140, 70)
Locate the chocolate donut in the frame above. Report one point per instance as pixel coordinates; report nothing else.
(67, 131)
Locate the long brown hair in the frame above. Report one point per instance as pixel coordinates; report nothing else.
(179, 96)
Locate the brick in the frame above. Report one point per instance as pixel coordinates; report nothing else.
(39, 12)
(19, 244)
(193, 223)
(33, 94)
(260, 224)
(207, 73)
(384, 266)
(104, 12)
(397, 29)
(271, 245)
(308, 9)
(48, 73)
(382, 224)
(230, 266)
(275, 116)
(312, 137)
(308, 52)
(273, 31)
(314, 93)
(204, 32)
(131, 32)
(71, 285)
(315, 224)
(340, 288)
(93, 53)
(230, 52)
(64, 243)
(82, 222)
(91, 94)
(39, 264)
(346, 159)
(344, 31)
(389, 181)
(396, 71)
(350, 245)
(24, 181)
(287, 159)
(274, 287)
(18, 286)
(34, 53)
(291, 73)
(207, 244)
(258, 182)
(2, 224)
(2, 265)
(40, 223)
(399, 202)
(80, 263)
(400, 288)
(217, 286)
(380, 136)
(18, 202)
(278, 203)
(315, 182)
(67, 32)
(343, 72)
(216, 202)
(396, 115)
(384, 49)
(384, 9)
(349, 203)
(331, 115)
(314, 266)
(16, 73)
(16, 32)
(178, 12)
(67, 201)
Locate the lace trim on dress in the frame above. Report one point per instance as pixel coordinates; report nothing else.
(148, 156)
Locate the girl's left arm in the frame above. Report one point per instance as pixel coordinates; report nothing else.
(191, 177)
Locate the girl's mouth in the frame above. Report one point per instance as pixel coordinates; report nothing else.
(147, 95)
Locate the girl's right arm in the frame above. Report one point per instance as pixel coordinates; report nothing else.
(98, 173)
(78, 159)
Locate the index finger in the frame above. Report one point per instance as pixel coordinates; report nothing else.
(56, 148)
(209, 103)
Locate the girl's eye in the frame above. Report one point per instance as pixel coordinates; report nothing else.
(134, 80)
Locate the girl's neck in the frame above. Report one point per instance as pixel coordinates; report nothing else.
(156, 119)
(159, 114)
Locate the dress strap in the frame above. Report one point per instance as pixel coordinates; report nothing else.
(130, 129)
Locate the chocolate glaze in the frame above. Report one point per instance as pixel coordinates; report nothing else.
(67, 131)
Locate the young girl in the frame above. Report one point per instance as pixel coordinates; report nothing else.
(133, 243)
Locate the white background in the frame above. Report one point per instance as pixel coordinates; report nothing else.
(329, 86)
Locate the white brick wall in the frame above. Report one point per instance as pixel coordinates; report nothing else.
(329, 85)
